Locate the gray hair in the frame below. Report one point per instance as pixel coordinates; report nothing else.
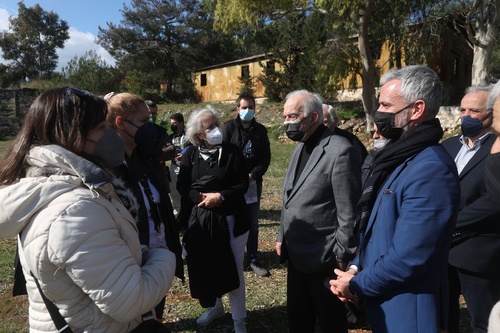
(193, 126)
(311, 102)
(492, 96)
(418, 82)
(331, 111)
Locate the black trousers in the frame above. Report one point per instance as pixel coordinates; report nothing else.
(309, 299)
(481, 291)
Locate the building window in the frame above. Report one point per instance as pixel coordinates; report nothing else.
(245, 72)
(203, 80)
(270, 67)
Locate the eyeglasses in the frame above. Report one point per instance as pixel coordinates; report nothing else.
(78, 92)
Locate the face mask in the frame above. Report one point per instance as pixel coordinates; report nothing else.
(385, 124)
(379, 144)
(246, 114)
(214, 137)
(174, 128)
(152, 119)
(471, 127)
(110, 148)
(150, 138)
(292, 130)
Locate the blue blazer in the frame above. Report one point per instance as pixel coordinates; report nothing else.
(404, 252)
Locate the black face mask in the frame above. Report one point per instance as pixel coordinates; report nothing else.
(150, 138)
(385, 124)
(174, 128)
(293, 132)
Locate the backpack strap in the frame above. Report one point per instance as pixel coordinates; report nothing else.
(61, 324)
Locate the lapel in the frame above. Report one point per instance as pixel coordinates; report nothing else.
(480, 155)
(384, 188)
(454, 146)
(314, 159)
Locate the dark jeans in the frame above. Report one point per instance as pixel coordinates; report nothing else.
(309, 298)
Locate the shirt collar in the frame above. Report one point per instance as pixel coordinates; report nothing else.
(476, 143)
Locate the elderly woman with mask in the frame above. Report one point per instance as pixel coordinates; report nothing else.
(213, 177)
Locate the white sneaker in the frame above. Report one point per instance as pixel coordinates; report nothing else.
(240, 326)
(217, 311)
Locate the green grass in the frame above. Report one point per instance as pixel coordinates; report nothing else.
(266, 297)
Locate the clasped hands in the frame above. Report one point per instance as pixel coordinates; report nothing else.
(340, 286)
(210, 200)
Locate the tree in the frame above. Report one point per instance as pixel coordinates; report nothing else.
(163, 41)
(482, 21)
(32, 42)
(298, 61)
(90, 72)
(352, 25)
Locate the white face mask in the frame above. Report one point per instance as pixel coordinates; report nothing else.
(378, 144)
(214, 137)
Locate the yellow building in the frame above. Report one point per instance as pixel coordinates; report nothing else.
(452, 62)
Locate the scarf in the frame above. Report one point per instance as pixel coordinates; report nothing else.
(210, 155)
(387, 160)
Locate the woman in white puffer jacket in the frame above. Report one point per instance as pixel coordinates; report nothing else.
(75, 235)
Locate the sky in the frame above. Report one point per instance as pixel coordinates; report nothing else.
(83, 18)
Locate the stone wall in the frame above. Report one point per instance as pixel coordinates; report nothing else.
(14, 104)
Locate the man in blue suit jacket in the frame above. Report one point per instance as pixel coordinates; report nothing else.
(407, 212)
(475, 249)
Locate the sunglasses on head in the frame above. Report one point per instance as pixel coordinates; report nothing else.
(78, 92)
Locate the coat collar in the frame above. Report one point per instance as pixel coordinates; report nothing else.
(315, 157)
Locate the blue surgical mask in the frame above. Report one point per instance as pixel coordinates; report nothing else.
(471, 127)
(247, 115)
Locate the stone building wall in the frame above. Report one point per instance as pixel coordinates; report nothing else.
(14, 104)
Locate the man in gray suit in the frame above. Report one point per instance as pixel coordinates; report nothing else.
(320, 192)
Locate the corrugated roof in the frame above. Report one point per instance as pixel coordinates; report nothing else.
(234, 62)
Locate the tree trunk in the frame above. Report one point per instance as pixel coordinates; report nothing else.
(483, 50)
(484, 41)
(368, 75)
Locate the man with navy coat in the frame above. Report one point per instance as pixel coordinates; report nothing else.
(407, 212)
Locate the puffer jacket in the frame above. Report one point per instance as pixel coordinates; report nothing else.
(82, 245)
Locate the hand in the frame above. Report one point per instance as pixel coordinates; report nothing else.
(178, 158)
(278, 248)
(340, 286)
(210, 200)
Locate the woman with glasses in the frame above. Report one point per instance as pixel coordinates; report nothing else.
(77, 242)
(142, 173)
(214, 178)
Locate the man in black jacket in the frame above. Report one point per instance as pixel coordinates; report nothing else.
(475, 249)
(331, 120)
(253, 141)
